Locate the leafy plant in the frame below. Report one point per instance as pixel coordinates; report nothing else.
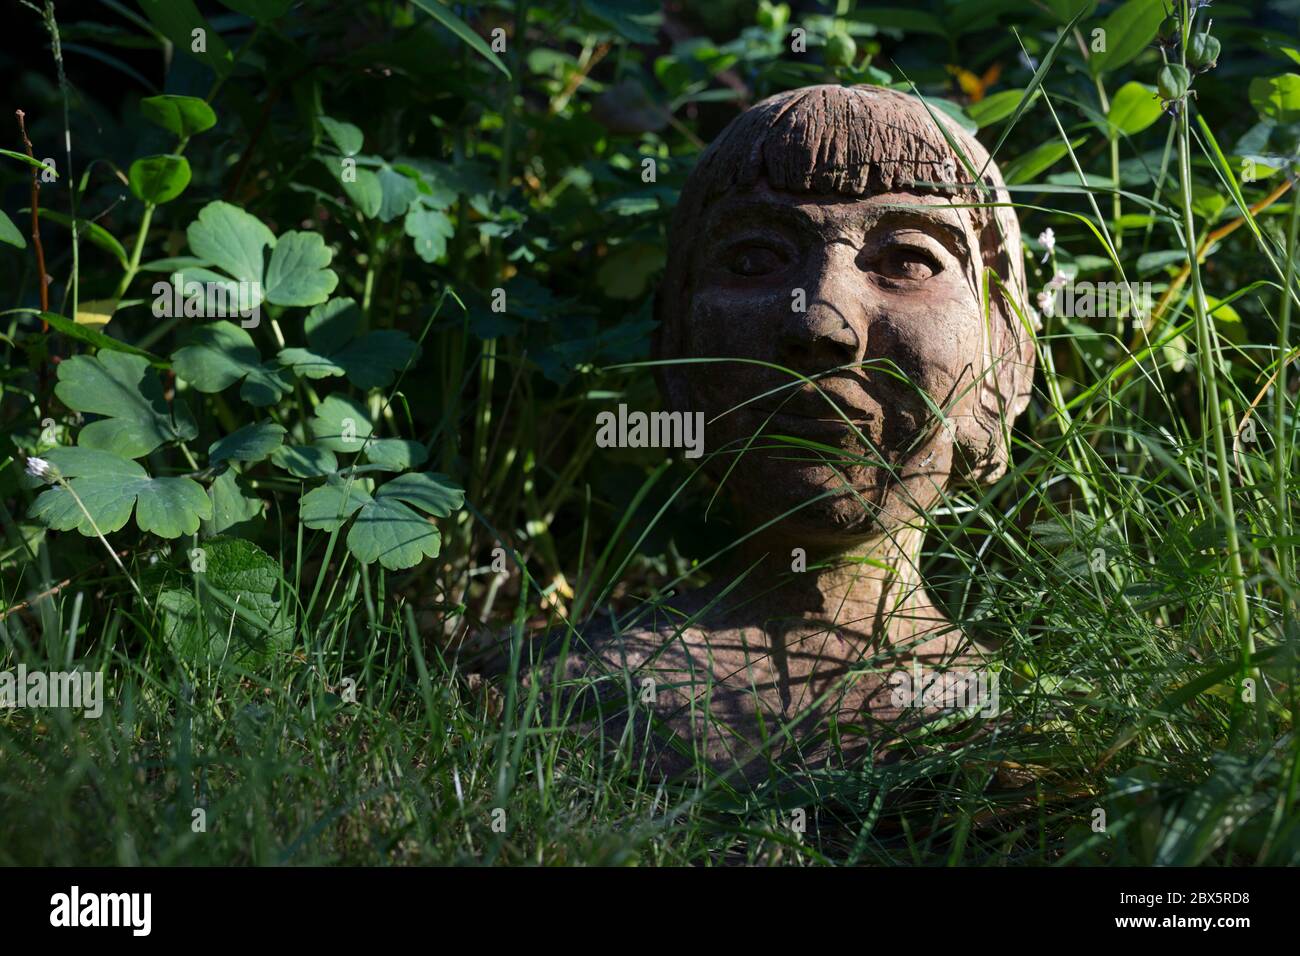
(103, 489)
(234, 613)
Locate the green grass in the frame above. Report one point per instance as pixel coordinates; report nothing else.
(1101, 661)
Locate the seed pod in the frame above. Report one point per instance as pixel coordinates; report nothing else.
(841, 50)
(1173, 81)
(1203, 52)
(1170, 31)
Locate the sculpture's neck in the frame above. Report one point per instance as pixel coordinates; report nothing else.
(872, 587)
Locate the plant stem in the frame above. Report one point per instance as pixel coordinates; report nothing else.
(1209, 356)
(36, 220)
(1113, 135)
(1282, 504)
(1281, 446)
(56, 48)
(136, 252)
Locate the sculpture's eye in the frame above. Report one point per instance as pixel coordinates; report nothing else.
(753, 259)
(907, 263)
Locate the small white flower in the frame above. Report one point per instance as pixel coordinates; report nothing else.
(1047, 298)
(1047, 239)
(40, 468)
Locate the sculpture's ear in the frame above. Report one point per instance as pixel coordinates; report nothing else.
(981, 451)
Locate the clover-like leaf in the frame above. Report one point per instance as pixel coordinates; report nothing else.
(124, 389)
(328, 507)
(221, 354)
(374, 360)
(234, 241)
(430, 491)
(347, 137)
(159, 179)
(103, 488)
(238, 616)
(430, 229)
(398, 191)
(182, 115)
(361, 185)
(195, 291)
(364, 190)
(230, 239)
(369, 361)
(250, 443)
(305, 461)
(297, 274)
(387, 531)
(395, 454)
(232, 501)
(387, 528)
(340, 424)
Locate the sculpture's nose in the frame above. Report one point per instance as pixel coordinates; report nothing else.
(826, 332)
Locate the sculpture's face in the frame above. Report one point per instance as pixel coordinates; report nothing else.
(891, 332)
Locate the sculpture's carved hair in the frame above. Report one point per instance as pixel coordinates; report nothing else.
(859, 141)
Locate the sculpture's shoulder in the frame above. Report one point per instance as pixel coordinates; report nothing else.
(675, 688)
(655, 688)
(644, 658)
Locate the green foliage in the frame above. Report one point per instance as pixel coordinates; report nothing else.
(230, 239)
(305, 461)
(371, 360)
(458, 26)
(177, 20)
(341, 424)
(9, 233)
(222, 354)
(127, 393)
(1133, 108)
(233, 501)
(1277, 98)
(159, 179)
(1128, 30)
(93, 231)
(250, 443)
(101, 490)
(234, 613)
(388, 527)
(183, 115)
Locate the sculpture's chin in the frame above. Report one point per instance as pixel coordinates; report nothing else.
(832, 485)
(817, 505)
(829, 524)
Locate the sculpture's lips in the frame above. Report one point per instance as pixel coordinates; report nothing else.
(838, 401)
(824, 421)
(828, 429)
(820, 407)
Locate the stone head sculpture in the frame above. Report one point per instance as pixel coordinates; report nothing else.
(855, 293)
(864, 314)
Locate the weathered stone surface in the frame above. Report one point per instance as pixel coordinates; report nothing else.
(898, 386)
